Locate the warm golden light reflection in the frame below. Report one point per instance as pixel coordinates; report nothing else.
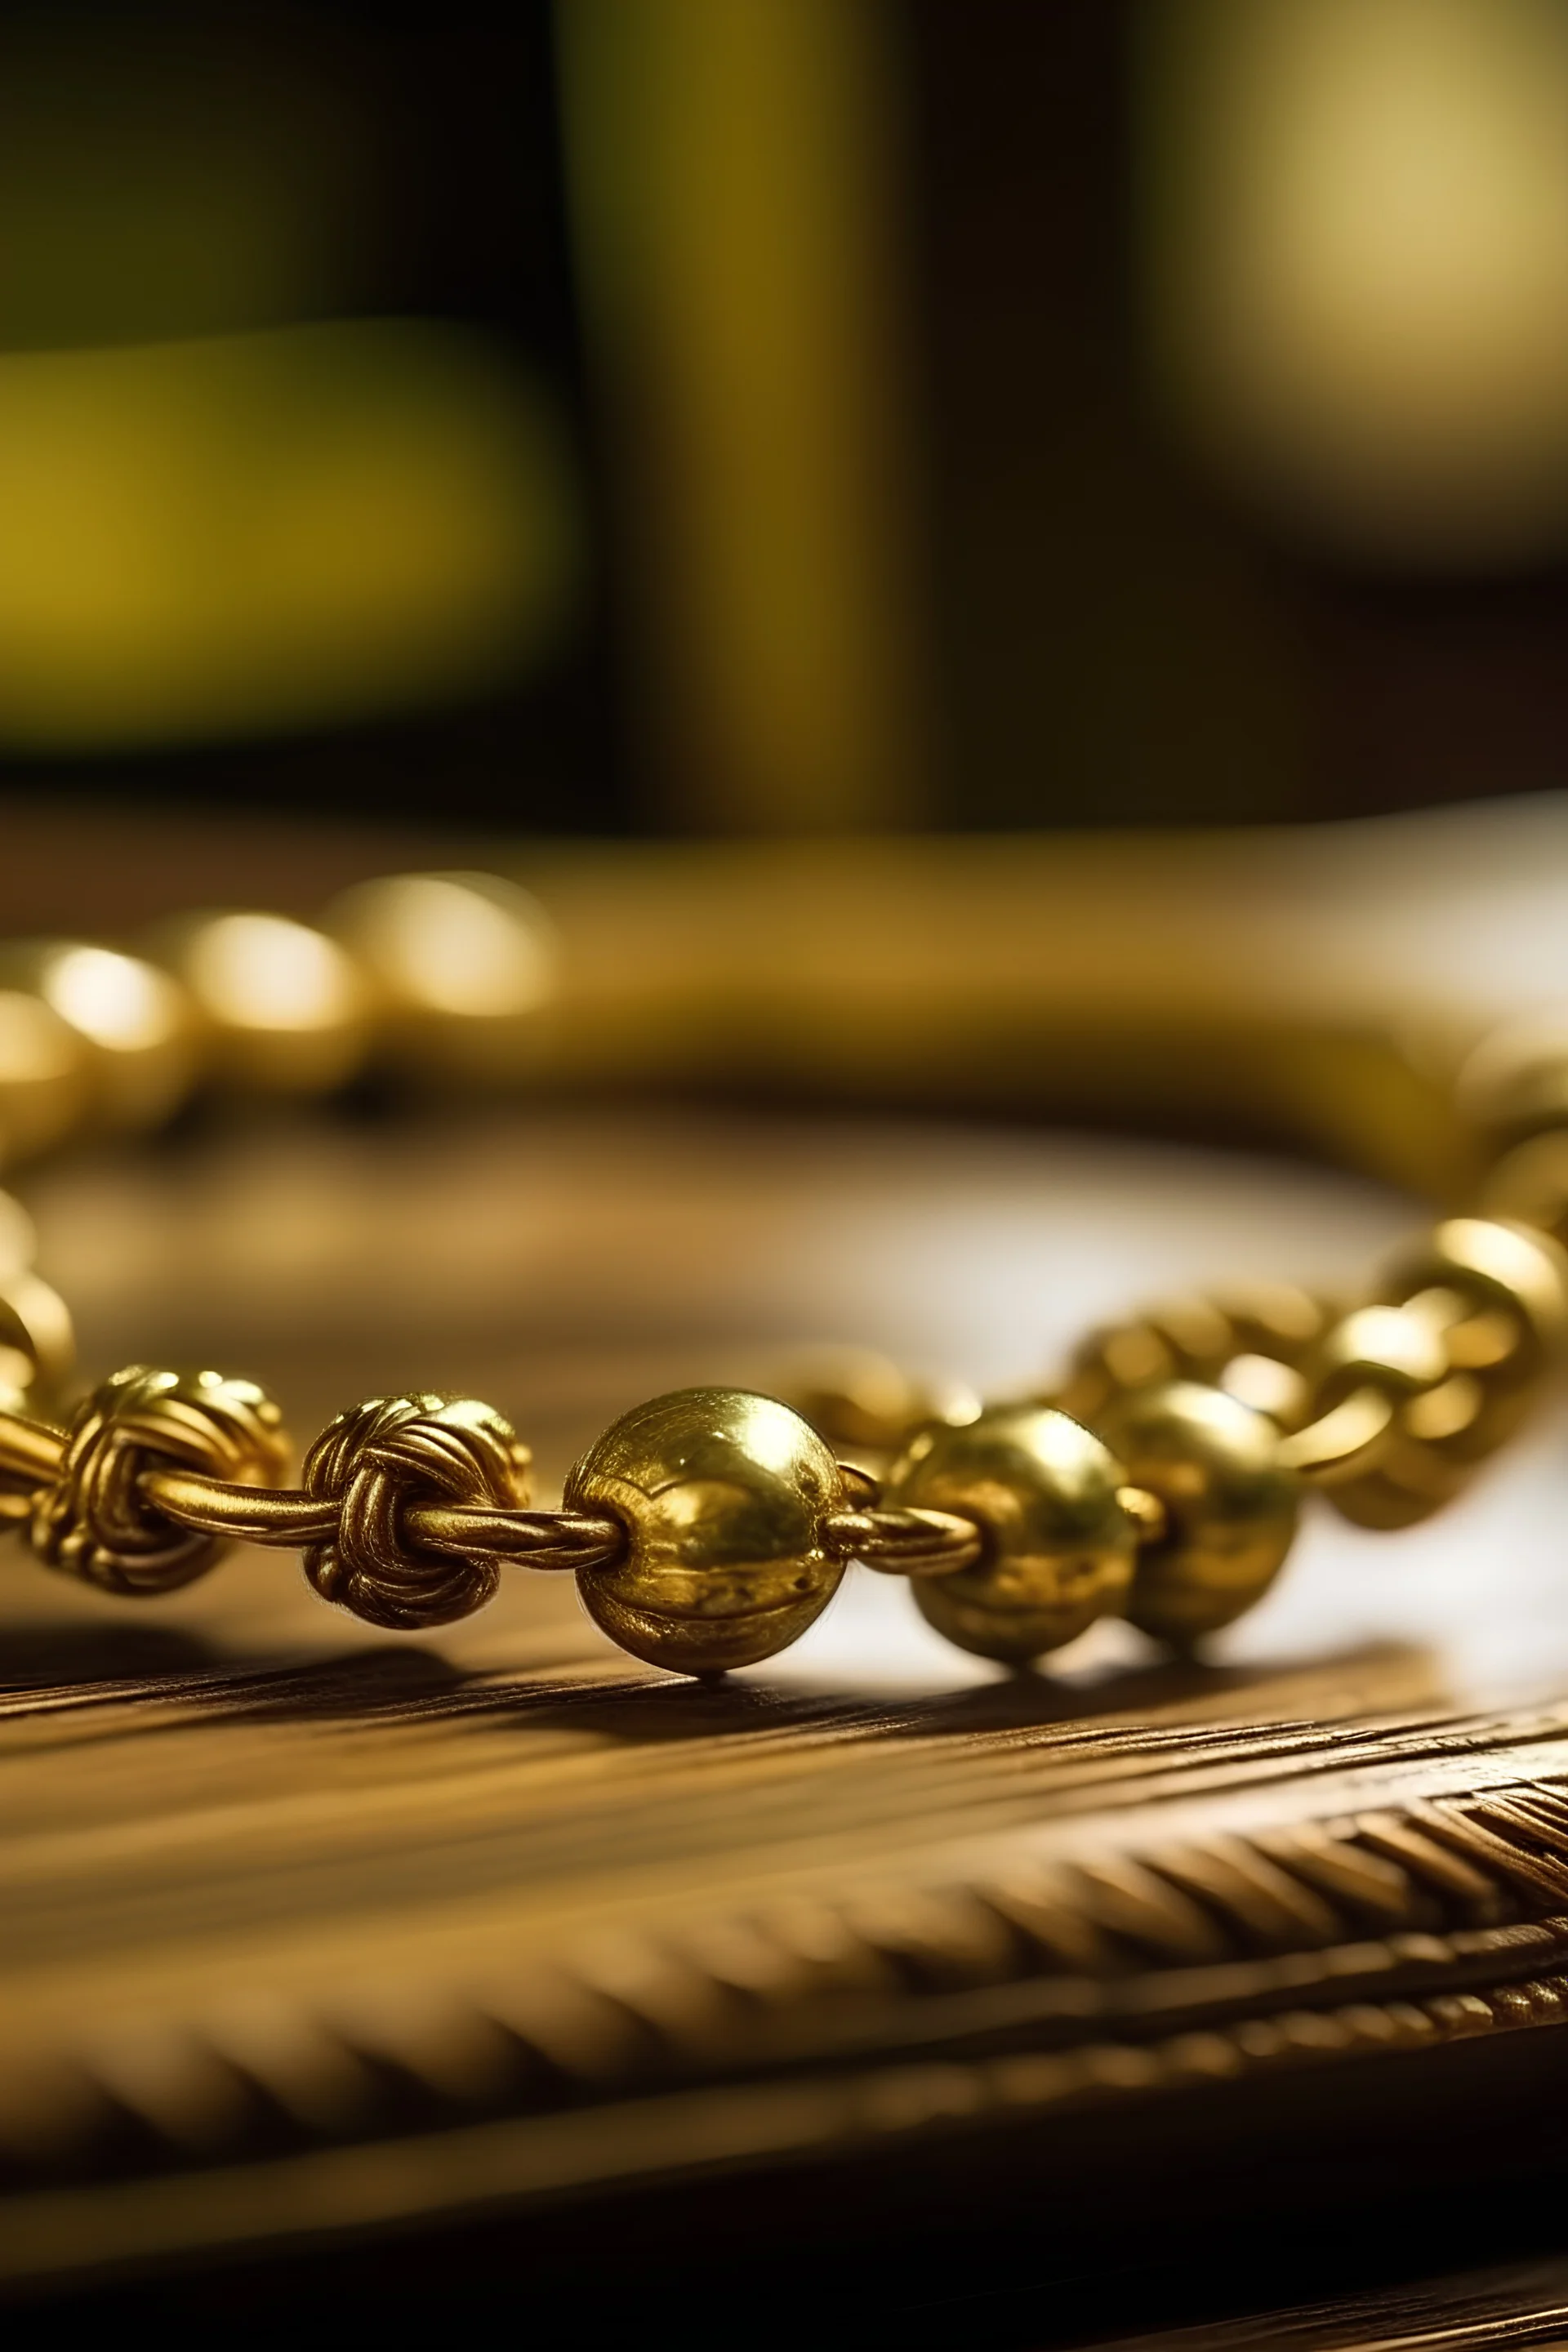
(455, 946)
(140, 1024)
(1358, 214)
(262, 971)
(18, 1242)
(285, 1007)
(274, 529)
(465, 966)
(122, 1003)
(43, 1074)
(37, 1341)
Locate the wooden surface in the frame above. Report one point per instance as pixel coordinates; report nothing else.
(309, 1931)
(1503, 2308)
(873, 1972)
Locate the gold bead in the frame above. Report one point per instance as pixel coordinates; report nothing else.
(138, 1025)
(858, 1398)
(465, 965)
(283, 1007)
(1231, 1505)
(18, 1242)
(1059, 1545)
(45, 1075)
(1529, 1186)
(38, 1343)
(723, 1496)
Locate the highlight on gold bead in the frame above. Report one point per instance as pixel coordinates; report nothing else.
(465, 965)
(285, 1008)
(138, 1024)
(1529, 1185)
(1058, 1543)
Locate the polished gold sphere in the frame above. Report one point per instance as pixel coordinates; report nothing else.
(724, 1497)
(464, 965)
(281, 1008)
(140, 1028)
(1230, 1504)
(1060, 1544)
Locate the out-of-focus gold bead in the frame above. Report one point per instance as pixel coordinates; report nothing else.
(137, 1022)
(1514, 1083)
(38, 1344)
(1231, 1506)
(1263, 1330)
(1060, 1544)
(45, 1075)
(1409, 1481)
(865, 1402)
(1529, 1185)
(724, 1496)
(283, 1007)
(466, 966)
(16, 1367)
(18, 1242)
(1498, 1292)
(1389, 1349)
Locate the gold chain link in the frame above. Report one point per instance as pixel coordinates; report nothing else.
(1161, 1479)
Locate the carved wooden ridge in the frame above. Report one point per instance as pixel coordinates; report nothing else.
(558, 1929)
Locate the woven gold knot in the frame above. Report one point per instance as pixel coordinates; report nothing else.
(375, 1461)
(94, 1519)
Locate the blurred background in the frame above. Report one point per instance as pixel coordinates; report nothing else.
(660, 416)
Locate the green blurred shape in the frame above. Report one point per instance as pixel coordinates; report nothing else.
(268, 531)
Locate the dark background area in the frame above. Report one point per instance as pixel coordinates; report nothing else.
(1108, 632)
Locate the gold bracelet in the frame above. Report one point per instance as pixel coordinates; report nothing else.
(1162, 1480)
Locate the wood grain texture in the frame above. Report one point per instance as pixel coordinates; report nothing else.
(307, 1932)
(1524, 2305)
(306, 1935)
